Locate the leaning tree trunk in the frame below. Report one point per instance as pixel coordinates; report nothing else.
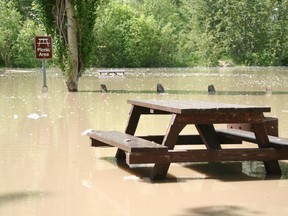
(72, 79)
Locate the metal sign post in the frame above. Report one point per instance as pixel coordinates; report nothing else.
(43, 50)
(45, 87)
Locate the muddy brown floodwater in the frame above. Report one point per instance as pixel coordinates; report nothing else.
(48, 168)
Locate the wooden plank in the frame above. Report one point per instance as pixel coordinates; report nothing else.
(271, 125)
(134, 117)
(250, 136)
(220, 118)
(179, 156)
(271, 166)
(125, 142)
(190, 107)
(208, 134)
(237, 133)
(97, 143)
(160, 169)
(194, 139)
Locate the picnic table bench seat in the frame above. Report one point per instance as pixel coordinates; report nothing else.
(123, 141)
(249, 136)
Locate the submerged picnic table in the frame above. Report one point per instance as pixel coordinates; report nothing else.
(111, 72)
(159, 149)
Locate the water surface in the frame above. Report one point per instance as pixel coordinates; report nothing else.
(48, 168)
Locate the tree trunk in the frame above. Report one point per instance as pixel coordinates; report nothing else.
(72, 80)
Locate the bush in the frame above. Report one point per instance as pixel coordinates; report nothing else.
(23, 51)
(127, 39)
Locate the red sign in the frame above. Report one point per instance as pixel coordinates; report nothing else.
(43, 47)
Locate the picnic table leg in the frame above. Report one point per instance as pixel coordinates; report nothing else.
(209, 137)
(160, 170)
(271, 167)
(133, 120)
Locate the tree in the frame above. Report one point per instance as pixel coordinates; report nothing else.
(174, 23)
(125, 38)
(9, 27)
(278, 45)
(249, 32)
(71, 23)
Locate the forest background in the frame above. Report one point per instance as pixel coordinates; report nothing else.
(162, 33)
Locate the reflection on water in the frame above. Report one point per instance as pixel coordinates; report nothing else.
(15, 197)
(225, 210)
(42, 151)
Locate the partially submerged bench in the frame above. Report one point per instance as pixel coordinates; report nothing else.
(244, 132)
(249, 136)
(145, 149)
(139, 150)
(125, 142)
(131, 143)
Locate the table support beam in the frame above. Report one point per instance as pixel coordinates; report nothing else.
(134, 117)
(209, 136)
(160, 169)
(272, 166)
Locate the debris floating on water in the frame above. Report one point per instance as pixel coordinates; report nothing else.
(86, 183)
(86, 132)
(132, 178)
(33, 116)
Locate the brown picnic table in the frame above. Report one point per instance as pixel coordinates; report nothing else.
(159, 149)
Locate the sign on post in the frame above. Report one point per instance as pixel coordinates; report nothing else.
(43, 50)
(43, 47)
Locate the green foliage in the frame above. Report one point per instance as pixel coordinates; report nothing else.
(23, 51)
(126, 37)
(24, 7)
(45, 10)
(174, 20)
(86, 15)
(9, 27)
(17, 37)
(142, 43)
(149, 33)
(250, 32)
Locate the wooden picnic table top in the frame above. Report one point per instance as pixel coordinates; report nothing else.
(194, 106)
